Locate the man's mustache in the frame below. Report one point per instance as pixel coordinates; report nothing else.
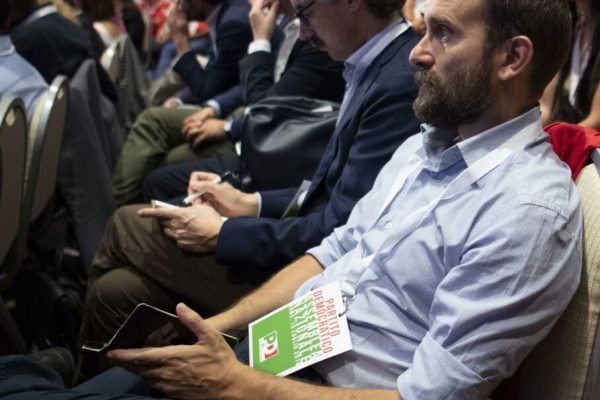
(426, 77)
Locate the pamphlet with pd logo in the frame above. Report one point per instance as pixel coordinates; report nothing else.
(310, 329)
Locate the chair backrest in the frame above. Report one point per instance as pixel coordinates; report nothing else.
(45, 138)
(13, 151)
(566, 364)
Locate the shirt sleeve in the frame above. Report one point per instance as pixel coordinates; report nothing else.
(514, 278)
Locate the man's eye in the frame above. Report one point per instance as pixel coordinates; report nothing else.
(443, 33)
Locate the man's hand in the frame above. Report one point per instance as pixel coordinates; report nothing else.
(192, 125)
(173, 102)
(212, 130)
(263, 16)
(208, 369)
(178, 25)
(224, 198)
(195, 229)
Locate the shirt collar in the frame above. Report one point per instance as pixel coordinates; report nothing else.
(292, 27)
(443, 149)
(6, 46)
(39, 13)
(360, 55)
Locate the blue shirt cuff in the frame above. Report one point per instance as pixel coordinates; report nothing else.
(215, 106)
(436, 374)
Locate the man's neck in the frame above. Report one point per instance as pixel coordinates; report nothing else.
(503, 109)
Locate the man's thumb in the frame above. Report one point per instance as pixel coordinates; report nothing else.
(192, 320)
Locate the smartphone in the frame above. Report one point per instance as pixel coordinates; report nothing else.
(162, 204)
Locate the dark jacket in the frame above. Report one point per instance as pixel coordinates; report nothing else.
(379, 118)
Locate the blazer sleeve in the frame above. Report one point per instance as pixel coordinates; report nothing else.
(309, 72)
(222, 71)
(384, 120)
(230, 100)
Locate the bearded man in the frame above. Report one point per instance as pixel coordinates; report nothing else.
(462, 256)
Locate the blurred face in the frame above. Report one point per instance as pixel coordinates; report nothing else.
(454, 71)
(328, 25)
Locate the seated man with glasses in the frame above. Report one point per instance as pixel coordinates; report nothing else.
(165, 255)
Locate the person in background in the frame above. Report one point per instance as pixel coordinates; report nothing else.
(53, 44)
(414, 11)
(574, 94)
(134, 24)
(105, 20)
(229, 39)
(295, 68)
(18, 78)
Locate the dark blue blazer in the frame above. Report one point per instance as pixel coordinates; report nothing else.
(378, 119)
(222, 71)
(308, 72)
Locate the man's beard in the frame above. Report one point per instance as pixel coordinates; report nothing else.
(460, 99)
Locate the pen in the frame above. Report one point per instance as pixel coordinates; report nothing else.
(190, 199)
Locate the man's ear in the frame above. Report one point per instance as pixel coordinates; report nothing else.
(516, 54)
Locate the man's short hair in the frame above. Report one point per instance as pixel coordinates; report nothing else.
(384, 8)
(547, 23)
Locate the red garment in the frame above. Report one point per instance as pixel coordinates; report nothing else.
(157, 13)
(573, 144)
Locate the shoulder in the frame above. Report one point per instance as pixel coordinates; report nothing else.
(535, 178)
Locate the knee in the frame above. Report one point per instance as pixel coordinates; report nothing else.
(123, 226)
(110, 293)
(123, 223)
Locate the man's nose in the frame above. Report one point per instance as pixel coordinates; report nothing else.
(420, 56)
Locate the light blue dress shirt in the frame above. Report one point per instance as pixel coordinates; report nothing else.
(18, 78)
(456, 305)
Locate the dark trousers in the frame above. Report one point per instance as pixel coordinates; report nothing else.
(24, 379)
(137, 263)
(170, 182)
(155, 139)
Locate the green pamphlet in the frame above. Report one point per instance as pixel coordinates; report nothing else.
(310, 329)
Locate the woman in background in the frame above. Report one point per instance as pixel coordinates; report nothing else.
(574, 95)
(105, 20)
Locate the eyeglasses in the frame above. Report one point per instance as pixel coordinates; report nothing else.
(300, 13)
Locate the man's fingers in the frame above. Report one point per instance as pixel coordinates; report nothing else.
(274, 8)
(157, 212)
(137, 358)
(192, 320)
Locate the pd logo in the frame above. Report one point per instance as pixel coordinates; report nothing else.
(268, 346)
